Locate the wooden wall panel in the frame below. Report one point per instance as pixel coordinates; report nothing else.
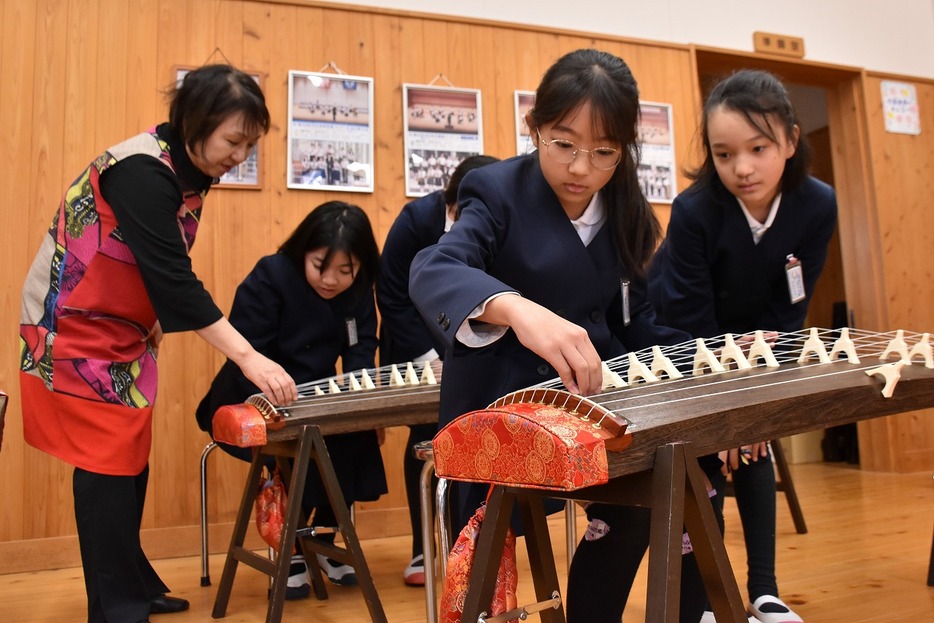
(17, 26)
(902, 168)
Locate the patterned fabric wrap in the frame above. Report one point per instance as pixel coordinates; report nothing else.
(522, 445)
(271, 503)
(240, 425)
(460, 562)
(85, 307)
(88, 379)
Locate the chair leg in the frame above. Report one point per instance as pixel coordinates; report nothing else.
(444, 524)
(570, 521)
(205, 571)
(428, 540)
(931, 566)
(786, 484)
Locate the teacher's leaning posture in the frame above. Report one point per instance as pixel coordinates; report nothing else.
(111, 275)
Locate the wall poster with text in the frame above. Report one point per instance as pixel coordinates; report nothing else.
(525, 143)
(657, 174)
(330, 133)
(443, 126)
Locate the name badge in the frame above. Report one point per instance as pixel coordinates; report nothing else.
(794, 273)
(351, 331)
(624, 290)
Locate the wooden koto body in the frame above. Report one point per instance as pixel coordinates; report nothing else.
(356, 401)
(672, 422)
(797, 386)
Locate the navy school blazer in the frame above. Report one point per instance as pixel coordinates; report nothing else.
(403, 335)
(709, 277)
(514, 236)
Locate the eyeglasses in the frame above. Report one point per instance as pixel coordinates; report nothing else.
(560, 150)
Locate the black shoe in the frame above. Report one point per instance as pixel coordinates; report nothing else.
(163, 604)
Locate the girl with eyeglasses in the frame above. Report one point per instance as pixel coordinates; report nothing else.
(543, 276)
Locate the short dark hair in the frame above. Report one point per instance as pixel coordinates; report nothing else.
(336, 226)
(763, 100)
(208, 95)
(466, 165)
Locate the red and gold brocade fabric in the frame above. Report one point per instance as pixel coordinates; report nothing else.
(240, 425)
(460, 562)
(522, 445)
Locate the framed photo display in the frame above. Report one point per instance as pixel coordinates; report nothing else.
(330, 134)
(657, 167)
(525, 144)
(443, 126)
(247, 174)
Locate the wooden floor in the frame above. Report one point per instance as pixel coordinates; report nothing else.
(864, 560)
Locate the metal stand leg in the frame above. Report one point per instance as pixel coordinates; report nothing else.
(570, 522)
(205, 571)
(444, 524)
(428, 540)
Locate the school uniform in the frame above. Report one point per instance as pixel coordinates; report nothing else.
(282, 316)
(711, 277)
(403, 335)
(514, 236)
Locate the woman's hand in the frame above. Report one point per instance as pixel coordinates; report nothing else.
(270, 378)
(154, 338)
(563, 344)
(266, 374)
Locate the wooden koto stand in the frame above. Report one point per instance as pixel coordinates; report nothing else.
(297, 437)
(671, 424)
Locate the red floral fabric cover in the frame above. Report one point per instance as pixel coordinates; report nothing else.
(271, 503)
(240, 425)
(522, 445)
(460, 561)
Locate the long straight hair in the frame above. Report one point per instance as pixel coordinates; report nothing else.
(606, 82)
(337, 227)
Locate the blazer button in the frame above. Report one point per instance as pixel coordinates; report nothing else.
(441, 318)
(595, 316)
(446, 323)
(543, 370)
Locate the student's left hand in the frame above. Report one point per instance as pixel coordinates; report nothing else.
(745, 454)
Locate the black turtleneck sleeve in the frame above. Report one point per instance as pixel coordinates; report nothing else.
(145, 196)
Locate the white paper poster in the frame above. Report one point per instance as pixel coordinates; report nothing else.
(900, 108)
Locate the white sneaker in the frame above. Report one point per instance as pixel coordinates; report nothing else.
(414, 574)
(771, 609)
(342, 575)
(708, 617)
(299, 584)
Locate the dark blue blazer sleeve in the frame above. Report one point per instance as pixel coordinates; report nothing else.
(403, 334)
(709, 277)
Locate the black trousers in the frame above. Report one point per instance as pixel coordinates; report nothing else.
(119, 579)
(606, 562)
(755, 490)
